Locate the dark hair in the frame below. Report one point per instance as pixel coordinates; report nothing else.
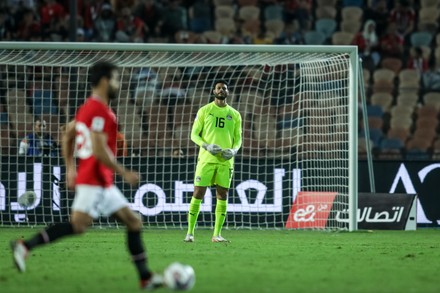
(101, 69)
(220, 81)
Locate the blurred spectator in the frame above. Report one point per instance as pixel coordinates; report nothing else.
(379, 13)
(105, 25)
(150, 13)
(145, 84)
(6, 26)
(239, 39)
(431, 78)
(403, 15)
(391, 44)
(28, 26)
(29, 4)
(290, 35)
(300, 10)
(200, 16)
(118, 5)
(39, 143)
(367, 42)
(51, 13)
(80, 35)
(178, 153)
(174, 18)
(89, 12)
(130, 28)
(417, 62)
(59, 31)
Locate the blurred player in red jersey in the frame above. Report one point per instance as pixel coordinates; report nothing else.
(93, 132)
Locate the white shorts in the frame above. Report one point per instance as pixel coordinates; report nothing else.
(97, 200)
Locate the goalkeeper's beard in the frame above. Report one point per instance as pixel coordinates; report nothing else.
(220, 97)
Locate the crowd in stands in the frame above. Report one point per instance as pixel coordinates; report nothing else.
(398, 41)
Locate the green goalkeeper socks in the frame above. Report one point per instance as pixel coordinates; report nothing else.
(220, 216)
(193, 214)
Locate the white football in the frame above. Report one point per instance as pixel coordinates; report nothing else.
(178, 276)
(27, 199)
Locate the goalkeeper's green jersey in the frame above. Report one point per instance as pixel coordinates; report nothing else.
(217, 125)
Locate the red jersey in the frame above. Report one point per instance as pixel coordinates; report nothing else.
(96, 116)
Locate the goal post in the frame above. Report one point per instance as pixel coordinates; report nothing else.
(297, 168)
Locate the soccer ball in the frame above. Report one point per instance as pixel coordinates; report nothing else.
(179, 277)
(27, 199)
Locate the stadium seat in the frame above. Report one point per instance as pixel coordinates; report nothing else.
(224, 11)
(374, 111)
(433, 99)
(429, 3)
(383, 86)
(384, 74)
(265, 127)
(404, 122)
(314, 38)
(225, 26)
(375, 122)
(398, 132)
(342, 38)
(425, 133)
(22, 123)
(419, 39)
(429, 14)
(352, 13)
(417, 149)
(350, 26)
(273, 12)
(326, 12)
(409, 80)
(407, 99)
(249, 13)
(275, 26)
(426, 52)
(393, 64)
(401, 111)
(183, 114)
(427, 111)
(384, 100)
(212, 37)
(6, 146)
(16, 97)
(391, 143)
(158, 134)
(326, 26)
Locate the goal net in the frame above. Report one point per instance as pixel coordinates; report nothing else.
(297, 168)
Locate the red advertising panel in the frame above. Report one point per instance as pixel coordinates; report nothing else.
(310, 210)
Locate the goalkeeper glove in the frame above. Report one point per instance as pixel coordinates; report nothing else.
(212, 148)
(228, 153)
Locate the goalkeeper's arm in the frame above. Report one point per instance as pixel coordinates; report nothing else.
(197, 139)
(230, 153)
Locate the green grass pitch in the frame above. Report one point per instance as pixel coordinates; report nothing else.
(254, 261)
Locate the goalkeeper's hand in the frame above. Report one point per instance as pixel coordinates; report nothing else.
(228, 153)
(212, 148)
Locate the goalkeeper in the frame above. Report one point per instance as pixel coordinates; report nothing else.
(217, 130)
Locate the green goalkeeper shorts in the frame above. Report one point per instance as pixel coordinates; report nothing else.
(208, 174)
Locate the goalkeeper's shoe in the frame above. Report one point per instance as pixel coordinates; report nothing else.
(19, 253)
(189, 238)
(153, 283)
(219, 239)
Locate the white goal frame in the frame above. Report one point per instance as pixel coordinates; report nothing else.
(114, 48)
